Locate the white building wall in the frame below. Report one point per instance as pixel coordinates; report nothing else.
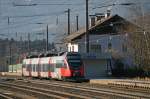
(103, 40)
(116, 41)
(73, 47)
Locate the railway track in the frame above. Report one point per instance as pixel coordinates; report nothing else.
(4, 96)
(44, 92)
(86, 90)
(137, 93)
(76, 89)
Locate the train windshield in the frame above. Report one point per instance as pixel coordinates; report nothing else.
(74, 60)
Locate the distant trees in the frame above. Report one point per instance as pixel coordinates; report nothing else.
(12, 52)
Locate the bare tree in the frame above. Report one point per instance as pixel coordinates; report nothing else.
(139, 37)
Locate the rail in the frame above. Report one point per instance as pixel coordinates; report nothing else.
(46, 92)
(3, 96)
(96, 90)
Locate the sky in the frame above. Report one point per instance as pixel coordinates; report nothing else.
(25, 15)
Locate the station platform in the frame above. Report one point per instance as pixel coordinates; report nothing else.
(103, 81)
(10, 74)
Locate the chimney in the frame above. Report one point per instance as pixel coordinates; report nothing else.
(92, 20)
(99, 16)
(108, 13)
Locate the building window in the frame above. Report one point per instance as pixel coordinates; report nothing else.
(73, 48)
(109, 46)
(96, 48)
(124, 48)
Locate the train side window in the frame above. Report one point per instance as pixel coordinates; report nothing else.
(52, 66)
(49, 67)
(40, 67)
(44, 68)
(32, 67)
(37, 67)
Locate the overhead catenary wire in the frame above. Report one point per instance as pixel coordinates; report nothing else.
(37, 15)
(25, 23)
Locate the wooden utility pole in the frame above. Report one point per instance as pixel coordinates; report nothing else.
(87, 28)
(68, 21)
(47, 38)
(77, 20)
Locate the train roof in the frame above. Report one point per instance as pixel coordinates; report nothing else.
(50, 54)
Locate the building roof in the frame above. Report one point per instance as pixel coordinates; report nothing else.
(99, 25)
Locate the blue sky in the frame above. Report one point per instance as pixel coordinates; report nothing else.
(24, 19)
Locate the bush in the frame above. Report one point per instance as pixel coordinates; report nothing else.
(118, 69)
(134, 72)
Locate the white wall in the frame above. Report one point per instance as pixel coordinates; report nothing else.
(73, 47)
(103, 40)
(117, 42)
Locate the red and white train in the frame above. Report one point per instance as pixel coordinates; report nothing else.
(66, 66)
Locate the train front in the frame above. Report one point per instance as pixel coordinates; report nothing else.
(75, 65)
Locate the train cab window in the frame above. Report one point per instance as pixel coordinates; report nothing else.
(74, 60)
(74, 63)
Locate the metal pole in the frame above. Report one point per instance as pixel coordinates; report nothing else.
(77, 20)
(47, 38)
(29, 42)
(87, 28)
(68, 21)
(10, 55)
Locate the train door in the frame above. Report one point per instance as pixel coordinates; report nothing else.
(59, 65)
(52, 68)
(38, 68)
(58, 73)
(55, 68)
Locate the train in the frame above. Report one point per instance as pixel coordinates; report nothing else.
(65, 66)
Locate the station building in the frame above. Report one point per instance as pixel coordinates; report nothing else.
(108, 36)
